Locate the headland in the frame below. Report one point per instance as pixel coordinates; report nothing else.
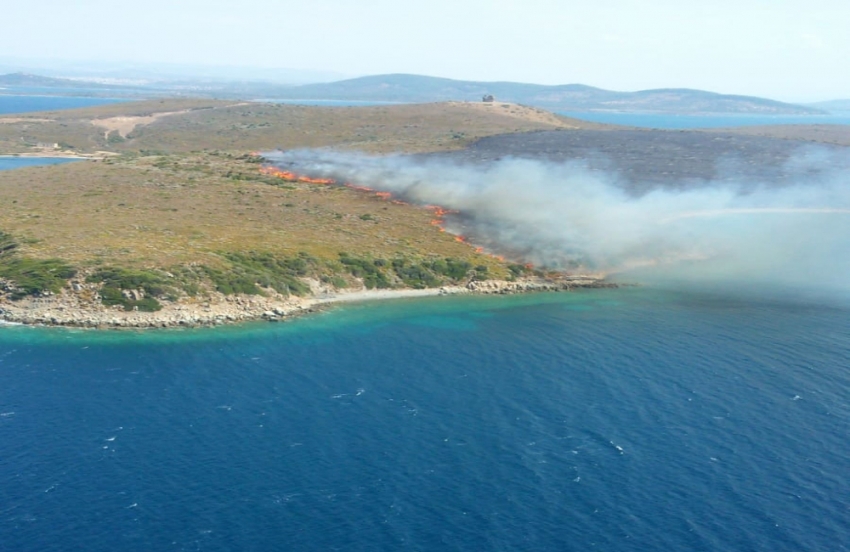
(171, 218)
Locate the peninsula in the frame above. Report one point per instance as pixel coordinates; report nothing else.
(171, 219)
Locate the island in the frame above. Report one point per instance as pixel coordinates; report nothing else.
(173, 218)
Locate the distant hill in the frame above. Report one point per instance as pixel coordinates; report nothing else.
(28, 83)
(568, 97)
(832, 105)
(421, 89)
(26, 79)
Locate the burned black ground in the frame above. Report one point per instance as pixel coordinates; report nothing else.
(644, 159)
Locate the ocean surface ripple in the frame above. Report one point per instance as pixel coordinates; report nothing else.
(618, 420)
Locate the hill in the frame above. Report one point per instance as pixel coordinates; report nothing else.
(568, 97)
(27, 79)
(832, 105)
(403, 88)
(175, 221)
(171, 126)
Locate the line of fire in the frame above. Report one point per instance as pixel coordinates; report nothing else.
(439, 213)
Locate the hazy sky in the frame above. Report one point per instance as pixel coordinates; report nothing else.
(795, 50)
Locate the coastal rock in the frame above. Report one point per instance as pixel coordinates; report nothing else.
(84, 310)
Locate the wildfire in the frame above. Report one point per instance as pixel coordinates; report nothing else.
(439, 212)
(290, 176)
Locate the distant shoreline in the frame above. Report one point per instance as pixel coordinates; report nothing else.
(56, 155)
(43, 156)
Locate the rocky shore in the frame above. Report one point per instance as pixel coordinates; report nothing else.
(74, 309)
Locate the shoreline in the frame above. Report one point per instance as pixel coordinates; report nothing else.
(56, 155)
(70, 309)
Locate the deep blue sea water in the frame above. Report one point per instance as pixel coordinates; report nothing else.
(619, 420)
(29, 103)
(666, 120)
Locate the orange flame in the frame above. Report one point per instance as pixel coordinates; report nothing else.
(293, 177)
(439, 212)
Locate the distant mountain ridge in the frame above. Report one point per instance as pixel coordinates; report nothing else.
(832, 105)
(567, 97)
(406, 88)
(27, 79)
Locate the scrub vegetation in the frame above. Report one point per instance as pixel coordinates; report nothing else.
(178, 207)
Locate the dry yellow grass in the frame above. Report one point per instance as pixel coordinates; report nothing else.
(183, 192)
(178, 210)
(240, 126)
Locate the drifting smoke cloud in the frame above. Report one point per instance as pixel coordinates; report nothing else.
(563, 215)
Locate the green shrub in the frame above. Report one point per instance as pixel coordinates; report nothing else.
(116, 280)
(517, 269)
(415, 275)
(250, 271)
(453, 268)
(34, 276)
(148, 304)
(371, 271)
(153, 283)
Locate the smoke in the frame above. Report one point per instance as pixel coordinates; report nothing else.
(567, 216)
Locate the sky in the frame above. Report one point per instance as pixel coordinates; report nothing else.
(791, 50)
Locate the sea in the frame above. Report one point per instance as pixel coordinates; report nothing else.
(11, 162)
(629, 419)
(31, 102)
(646, 418)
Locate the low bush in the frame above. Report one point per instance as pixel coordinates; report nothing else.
(117, 280)
(251, 271)
(370, 270)
(34, 276)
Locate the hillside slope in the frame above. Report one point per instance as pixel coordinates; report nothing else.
(568, 97)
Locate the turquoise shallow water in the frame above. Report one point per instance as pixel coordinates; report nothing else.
(629, 419)
(29, 103)
(10, 163)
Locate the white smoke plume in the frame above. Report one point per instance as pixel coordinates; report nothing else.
(563, 215)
